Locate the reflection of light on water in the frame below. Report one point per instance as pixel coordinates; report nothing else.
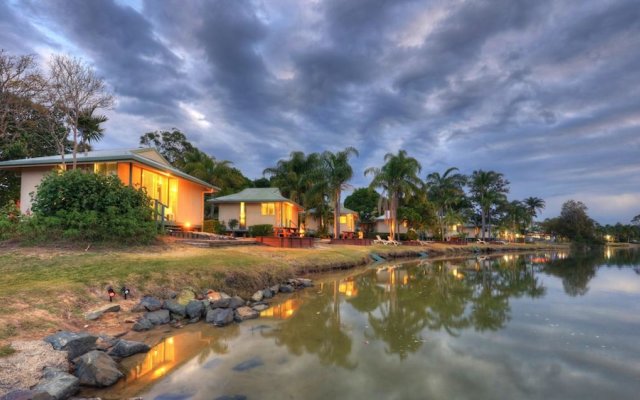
(391, 276)
(348, 288)
(457, 274)
(608, 253)
(283, 310)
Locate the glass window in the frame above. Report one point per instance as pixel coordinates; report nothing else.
(268, 208)
(106, 168)
(343, 219)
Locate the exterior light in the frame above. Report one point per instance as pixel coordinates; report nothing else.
(125, 292)
(112, 294)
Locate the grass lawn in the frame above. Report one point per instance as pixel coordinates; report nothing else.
(47, 288)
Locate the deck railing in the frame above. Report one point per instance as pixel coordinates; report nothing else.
(159, 213)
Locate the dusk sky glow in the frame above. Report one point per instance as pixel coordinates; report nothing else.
(546, 92)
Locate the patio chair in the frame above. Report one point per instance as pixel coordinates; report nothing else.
(379, 240)
(393, 242)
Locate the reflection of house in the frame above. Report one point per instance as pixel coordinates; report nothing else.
(382, 225)
(258, 206)
(282, 310)
(181, 194)
(348, 220)
(348, 288)
(391, 276)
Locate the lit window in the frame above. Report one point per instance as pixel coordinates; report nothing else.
(343, 219)
(243, 215)
(105, 168)
(268, 208)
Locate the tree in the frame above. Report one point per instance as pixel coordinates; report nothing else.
(445, 192)
(398, 178)
(172, 144)
(76, 88)
(487, 188)
(220, 173)
(365, 202)
(573, 223)
(636, 220)
(90, 129)
(294, 177)
(533, 204)
(337, 171)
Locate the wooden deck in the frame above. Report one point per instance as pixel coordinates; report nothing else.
(289, 242)
(352, 242)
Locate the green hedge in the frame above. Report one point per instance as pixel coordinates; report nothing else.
(214, 226)
(77, 205)
(261, 230)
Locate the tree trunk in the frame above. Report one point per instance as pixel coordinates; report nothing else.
(483, 222)
(336, 215)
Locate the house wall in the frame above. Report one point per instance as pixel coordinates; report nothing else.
(253, 214)
(255, 217)
(29, 181)
(228, 211)
(123, 172)
(190, 203)
(313, 224)
(383, 227)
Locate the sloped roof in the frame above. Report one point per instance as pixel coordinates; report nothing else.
(343, 211)
(254, 195)
(105, 156)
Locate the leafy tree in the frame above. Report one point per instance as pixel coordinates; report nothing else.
(172, 144)
(336, 171)
(75, 88)
(294, 177)
(573, 223)
(488, 188)
(533, 204)
(446, 192)
(220, 173)
(261, 183)
(398, 178)
(365, 202)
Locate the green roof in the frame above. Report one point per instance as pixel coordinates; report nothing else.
(343, 211)
(103, 156)
(254, 195)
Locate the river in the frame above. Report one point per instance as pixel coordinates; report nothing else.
(517, 326)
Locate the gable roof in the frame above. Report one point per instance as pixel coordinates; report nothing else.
(254, 195)
(146, 156)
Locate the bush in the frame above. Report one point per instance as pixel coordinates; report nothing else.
(214, 226)
(261, 230)
(9, 219)
(76, 205)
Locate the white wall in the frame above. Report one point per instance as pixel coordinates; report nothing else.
(29, 181)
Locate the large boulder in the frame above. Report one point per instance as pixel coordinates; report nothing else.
(185, 296)
(97, 313)
(275, 288)
(267, 293)
(143, 324)
(159, 317)
(59, 384)
(75, 344)
(126, 348)
(148, 303)
(245, 313)
(194, 309)
(286, 289)
(222, 302)
(304, 282)
(236, 302)
(220, 316)
(175, 308)
(97, 369)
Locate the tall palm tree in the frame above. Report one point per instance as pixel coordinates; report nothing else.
(294, 176)
(533, 204)
(445, 191)
(337, 171)
(488, 188)
(90, 129)
(397, 178)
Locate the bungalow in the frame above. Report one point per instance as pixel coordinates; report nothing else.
(258, 206)
(181, 194)
(348, 220)
(382, 225)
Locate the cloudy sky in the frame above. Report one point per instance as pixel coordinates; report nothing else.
(547, 92)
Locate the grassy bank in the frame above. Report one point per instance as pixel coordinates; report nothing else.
(44, 289)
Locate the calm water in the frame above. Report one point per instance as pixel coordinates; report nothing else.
(543, 326)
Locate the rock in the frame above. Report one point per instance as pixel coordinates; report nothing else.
(257, 296)
(75, 344)
(236, 302)
(148, 303)
(275, 288)
(260, 307)
(97, 313)
(59, 384)
(158, 317)
(245, 313)
(126, 348)
(142, 325)
(185, 296)
(305, 282)
(220, 303)
(286, 289)
(220, 316)
(97, 369)
(20, 394)
(212, 295)
(105, 342)
(194, 320)
(194, 309)
(267, 294)
(175, 308)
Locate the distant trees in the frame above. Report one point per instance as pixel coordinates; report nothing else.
(365, 202)
(573, 223)
(337, 172)
(446, 192)
(487, 188)
(533, 204)
(398, 179)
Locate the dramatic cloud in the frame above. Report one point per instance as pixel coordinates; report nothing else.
(547, 92)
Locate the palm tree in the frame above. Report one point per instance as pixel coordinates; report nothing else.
(397, 178)
(337, 171)
(89, 129)
(294, 176)
(487, 189)
(445, 191)
(533, 204)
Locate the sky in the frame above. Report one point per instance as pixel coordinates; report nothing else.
(546, 92)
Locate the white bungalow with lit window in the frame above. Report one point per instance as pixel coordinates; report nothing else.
(258, 206)
(180, 195)
(348, 220)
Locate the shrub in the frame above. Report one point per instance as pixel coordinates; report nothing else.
(76, 205)
(261, 230)
(214, 226)
(9, 219)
